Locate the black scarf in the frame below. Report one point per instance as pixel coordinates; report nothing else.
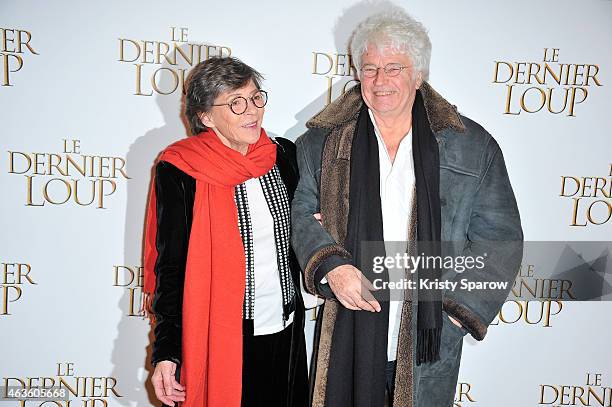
(429, 230)
(365, 217)
(358, 354)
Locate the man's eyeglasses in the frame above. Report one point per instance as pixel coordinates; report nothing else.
(239, 105)
(370, 71)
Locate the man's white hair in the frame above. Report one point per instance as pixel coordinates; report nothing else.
(397, 30)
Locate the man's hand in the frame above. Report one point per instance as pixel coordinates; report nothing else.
(167, 389)
(454, 321)
(352, 289)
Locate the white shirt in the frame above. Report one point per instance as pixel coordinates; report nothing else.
(268, 315)
(396, 186)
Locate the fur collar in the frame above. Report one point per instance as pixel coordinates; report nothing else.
(441, 114)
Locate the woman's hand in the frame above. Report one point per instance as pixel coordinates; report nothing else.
(167, 389)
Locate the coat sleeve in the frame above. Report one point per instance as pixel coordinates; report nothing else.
(171, 242)
(494, 232)
(316, 250)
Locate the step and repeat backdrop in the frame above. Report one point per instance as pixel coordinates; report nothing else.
(90, 92)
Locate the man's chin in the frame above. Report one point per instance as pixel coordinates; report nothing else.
(383, 108)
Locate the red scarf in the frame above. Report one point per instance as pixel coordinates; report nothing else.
(211, 368)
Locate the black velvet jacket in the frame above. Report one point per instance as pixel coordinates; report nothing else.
(175, 193)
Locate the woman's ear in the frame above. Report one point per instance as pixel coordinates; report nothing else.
(206, 119)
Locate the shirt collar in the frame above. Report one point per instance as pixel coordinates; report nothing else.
(381, 142)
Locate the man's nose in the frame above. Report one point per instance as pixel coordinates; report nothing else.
(380, 77)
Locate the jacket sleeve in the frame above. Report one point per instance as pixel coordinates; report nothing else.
(171, 242)
(494, 232)
(316, 250)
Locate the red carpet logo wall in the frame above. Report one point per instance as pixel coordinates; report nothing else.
(14, 45)
(87, 391)
(93, 257)
(529, 285)
(176, 57)
(587, 212)
(539, 299)
(529, 313)
(564, 85)
(131, 278)
(334, 67)
(464, 396)
(592, 393)
(67, 177)
(15, 277)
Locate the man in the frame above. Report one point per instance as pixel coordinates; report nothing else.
(391, 160)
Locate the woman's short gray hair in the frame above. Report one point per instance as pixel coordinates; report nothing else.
(208, 79)
(397, 30)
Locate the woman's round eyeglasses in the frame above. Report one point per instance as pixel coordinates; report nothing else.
(239, 104)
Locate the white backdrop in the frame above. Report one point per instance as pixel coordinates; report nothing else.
(78, 78)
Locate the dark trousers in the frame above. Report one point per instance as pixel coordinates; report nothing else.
(390, 373)
(265, 368)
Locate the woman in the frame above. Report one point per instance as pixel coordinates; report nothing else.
(218, 264)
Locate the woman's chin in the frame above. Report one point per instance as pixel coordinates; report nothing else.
(253, 135)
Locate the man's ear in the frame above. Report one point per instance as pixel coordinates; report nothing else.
(206, 119)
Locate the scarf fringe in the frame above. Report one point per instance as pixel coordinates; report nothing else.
(428, 345)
